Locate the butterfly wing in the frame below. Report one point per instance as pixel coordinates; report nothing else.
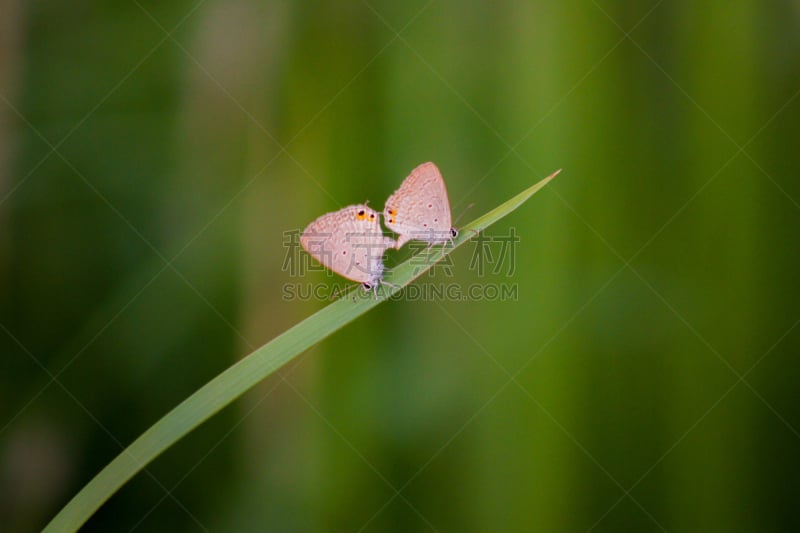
(349, 242)
(420, 208)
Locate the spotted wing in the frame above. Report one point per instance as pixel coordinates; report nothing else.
(420, 208)
(349, 242)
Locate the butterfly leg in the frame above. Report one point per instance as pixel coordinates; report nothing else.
(392, 285)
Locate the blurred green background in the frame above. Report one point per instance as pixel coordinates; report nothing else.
(153, 155)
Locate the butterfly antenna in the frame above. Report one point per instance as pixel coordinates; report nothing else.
(464, 212)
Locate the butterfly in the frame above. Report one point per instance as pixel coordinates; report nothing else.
(350, 242)
(419, 209)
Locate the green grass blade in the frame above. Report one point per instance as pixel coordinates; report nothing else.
(237, 379)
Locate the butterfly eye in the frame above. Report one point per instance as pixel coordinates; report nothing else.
(372, 216)
(453, 232)
(361, 215)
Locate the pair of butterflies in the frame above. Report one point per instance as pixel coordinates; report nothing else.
(351, 242)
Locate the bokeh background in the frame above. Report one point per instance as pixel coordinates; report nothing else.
(153, 156)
